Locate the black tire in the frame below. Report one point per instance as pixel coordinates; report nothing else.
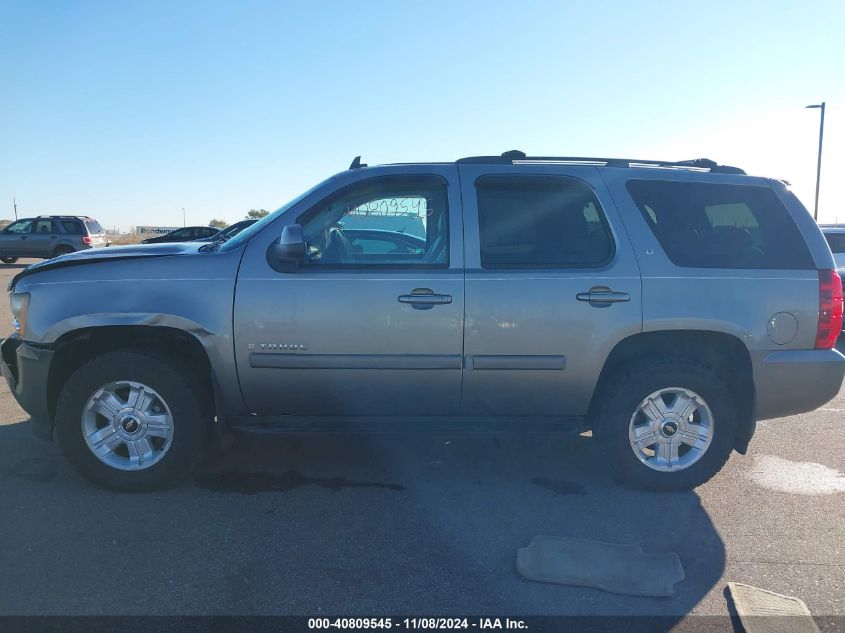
(176, 385)
(8, 260)
(63, 250)
(628, 388)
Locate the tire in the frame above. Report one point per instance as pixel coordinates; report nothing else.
(63, 250)
(174, 426)
(8, 260)
(620, 423)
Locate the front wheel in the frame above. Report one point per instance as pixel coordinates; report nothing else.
(132, 421)
(8, 260)
(666, 425)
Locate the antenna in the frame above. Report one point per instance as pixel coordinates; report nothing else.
(356, 163)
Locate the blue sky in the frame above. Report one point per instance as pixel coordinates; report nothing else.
(131, 111)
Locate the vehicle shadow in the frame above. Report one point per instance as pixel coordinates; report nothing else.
(333, 524)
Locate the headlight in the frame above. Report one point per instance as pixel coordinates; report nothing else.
(20, 307)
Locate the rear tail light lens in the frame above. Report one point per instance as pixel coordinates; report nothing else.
(830, 309)
(86, 239)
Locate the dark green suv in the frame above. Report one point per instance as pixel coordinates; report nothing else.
(49, 236)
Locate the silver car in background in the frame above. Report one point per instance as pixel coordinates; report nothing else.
(49, 236)
(835, 236)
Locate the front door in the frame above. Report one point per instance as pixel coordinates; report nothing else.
(371, 323)
(552, 285)
(14, 239)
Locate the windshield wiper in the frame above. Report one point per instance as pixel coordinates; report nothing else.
(215, 244)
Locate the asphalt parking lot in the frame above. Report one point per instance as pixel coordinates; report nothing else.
(412, 524)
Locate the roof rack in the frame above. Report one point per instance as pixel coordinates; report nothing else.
(515, 156)
(64, 215)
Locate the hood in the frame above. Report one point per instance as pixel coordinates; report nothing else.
(97, 255)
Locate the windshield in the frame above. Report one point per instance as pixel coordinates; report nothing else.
(247, 234)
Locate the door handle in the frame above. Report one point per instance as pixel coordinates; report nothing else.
(424, 299)
(24, 237)
(603, 295)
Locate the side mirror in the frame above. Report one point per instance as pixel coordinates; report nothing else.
(291, 246)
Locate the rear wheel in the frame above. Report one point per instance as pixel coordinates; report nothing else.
(8, 260)
(132, 421)
(63, 250)
(666, 425)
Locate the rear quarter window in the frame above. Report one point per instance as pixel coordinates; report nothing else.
(72, 226)
(707, 225)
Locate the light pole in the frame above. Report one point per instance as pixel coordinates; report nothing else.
(820, 106)
(183, 213)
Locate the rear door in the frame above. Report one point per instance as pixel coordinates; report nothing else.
(43, 238)
(552, 284)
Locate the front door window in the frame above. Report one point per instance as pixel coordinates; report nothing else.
(21, 227)
(393, 222)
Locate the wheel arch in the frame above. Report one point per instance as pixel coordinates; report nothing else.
(76, 347)
(724, 353)
(66, 246)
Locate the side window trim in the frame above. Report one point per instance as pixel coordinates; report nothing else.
(599, 208)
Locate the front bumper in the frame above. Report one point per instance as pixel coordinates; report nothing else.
(789, 382)
(26, 369)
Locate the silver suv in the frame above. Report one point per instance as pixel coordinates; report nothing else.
(665, 306)
(49, 236)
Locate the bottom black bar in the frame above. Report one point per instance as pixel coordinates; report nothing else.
(284, 624)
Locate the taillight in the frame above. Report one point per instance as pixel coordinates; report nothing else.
(830, 309)
(86, 239)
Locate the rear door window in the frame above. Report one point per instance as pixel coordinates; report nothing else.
(706, 225)
(182, 234)
(44, 226)
(540, 222)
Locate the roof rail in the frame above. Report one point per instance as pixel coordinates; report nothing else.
(514, 156)
(64, 215)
